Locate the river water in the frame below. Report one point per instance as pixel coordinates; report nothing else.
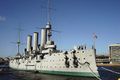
(22, 75)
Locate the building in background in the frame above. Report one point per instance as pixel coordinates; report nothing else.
(102, 59)
(114, 50)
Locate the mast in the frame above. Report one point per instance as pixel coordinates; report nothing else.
(49, 26)
(46, 33)
(18, 41)
(48, 11)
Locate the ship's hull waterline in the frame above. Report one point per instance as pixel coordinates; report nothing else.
(63, 73)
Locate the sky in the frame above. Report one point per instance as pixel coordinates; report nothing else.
(76, 20)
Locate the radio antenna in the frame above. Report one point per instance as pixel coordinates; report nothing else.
(48, 11)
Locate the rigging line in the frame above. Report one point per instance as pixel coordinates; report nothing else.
(94, 73)
(48, 10)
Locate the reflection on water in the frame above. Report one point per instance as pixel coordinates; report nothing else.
(109, 73)
(20, 75)
(38, 76)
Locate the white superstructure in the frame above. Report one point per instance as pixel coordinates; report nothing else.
(45, 58)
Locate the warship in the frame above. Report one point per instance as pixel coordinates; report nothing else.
(44, 57)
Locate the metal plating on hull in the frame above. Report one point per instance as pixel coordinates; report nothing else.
(46, 58)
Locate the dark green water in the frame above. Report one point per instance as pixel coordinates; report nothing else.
(22, 75)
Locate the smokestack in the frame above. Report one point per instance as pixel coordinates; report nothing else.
(29, 43)
(43, 37)
(35, 43)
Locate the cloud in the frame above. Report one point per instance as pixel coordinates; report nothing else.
(2, 18)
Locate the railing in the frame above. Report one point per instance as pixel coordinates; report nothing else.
(102, 60)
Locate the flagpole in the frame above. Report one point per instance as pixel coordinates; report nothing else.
(94, 40)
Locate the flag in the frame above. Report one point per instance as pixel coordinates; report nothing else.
(95, 36)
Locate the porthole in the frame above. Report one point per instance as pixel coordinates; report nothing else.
(90, 55)
(82, 51)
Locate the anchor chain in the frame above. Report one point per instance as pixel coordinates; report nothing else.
(88, 64)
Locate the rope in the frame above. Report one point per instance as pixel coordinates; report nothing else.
(90, 69)
(94, 73)
(110, 70)
(82, 63)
